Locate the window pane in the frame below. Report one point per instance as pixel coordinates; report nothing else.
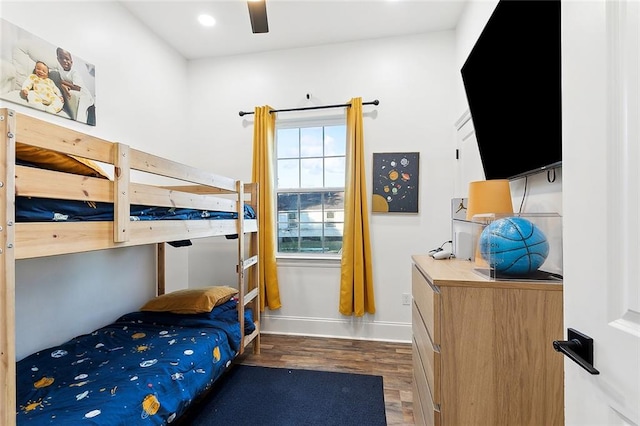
(334, 172)
(311, 202)
(334, 200)
(311, 237)
(288, 143)
(288, 240)
(288, 174)
(335, 140)
(333, 237)
(288, 223)
(287, 203)
(311, 173)
(311, 142)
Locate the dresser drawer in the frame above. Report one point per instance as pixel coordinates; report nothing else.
(428, 302)
(431, 414)
(424, 412)
(419, 397)
(429, 356)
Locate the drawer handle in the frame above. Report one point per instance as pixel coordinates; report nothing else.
(579, 348)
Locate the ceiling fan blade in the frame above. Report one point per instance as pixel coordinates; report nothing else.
(258, 15)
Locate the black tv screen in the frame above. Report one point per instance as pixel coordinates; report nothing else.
(512, 80)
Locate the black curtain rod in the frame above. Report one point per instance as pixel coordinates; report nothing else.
(376, 102)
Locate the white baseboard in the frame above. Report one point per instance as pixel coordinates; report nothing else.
(349, 328)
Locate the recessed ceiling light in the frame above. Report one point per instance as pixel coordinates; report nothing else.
(206, 20)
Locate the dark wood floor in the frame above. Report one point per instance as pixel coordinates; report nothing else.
(392, 361)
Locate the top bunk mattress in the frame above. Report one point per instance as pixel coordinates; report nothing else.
(31, 209)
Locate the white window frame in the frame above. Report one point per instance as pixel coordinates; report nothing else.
(298, 122)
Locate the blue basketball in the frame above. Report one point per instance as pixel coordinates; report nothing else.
(513, 246)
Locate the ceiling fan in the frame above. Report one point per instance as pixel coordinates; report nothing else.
(258, 15)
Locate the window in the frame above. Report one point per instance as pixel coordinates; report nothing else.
(310, 176)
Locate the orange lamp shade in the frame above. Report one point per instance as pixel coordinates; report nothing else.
(489, 196)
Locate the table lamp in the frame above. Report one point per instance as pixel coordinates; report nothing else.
(489, 196)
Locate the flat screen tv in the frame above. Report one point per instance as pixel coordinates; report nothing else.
(512, 80)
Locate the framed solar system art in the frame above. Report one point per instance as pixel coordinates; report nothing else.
(395, 182)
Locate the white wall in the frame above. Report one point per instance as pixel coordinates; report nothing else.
(470, 25)
(413, 79)
(131, 66)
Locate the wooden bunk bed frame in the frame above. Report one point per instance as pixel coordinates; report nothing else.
(196, 189)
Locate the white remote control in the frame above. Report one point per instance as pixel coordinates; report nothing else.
(443, 254)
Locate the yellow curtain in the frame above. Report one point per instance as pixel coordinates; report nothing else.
(263, 149)
(356, 278)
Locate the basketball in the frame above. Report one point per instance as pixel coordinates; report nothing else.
(513, 246)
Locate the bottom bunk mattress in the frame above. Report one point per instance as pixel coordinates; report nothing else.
(145, 368)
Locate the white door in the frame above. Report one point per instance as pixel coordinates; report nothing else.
(601, 196)
(468, 165)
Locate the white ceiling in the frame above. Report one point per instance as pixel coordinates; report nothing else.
(292, 23)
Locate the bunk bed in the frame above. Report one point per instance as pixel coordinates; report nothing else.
(196, 204)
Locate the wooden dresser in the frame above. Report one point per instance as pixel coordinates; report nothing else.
(482, 349)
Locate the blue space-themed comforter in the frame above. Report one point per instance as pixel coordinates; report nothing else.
(48, 209)
(146, 368)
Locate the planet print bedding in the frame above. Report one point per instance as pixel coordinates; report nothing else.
(145, 368)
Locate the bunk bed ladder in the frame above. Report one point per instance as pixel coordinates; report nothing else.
(254, 275)
(7, 267)
(248, 291)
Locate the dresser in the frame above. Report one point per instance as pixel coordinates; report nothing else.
(483, 350)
